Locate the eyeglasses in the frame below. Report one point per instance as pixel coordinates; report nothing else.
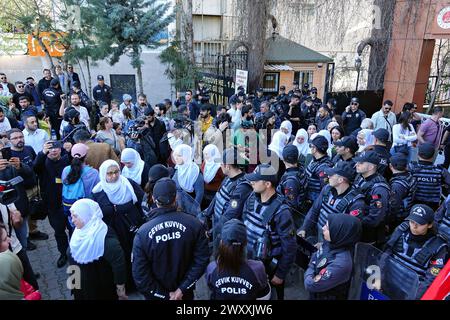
(355, 103)
(113, 173)
(19, 86)
(387, 109)
(16, 138)
(314, 92)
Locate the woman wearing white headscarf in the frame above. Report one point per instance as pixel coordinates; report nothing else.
(187, 175)
(120, 199)
(365, 139)
(94, 248)
(278, 143)
(302, 143)
(133, 166)
(286, 128)
(212, 173)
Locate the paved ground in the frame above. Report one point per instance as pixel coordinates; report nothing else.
(52, 281)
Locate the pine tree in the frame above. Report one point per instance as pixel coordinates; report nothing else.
(135, 24)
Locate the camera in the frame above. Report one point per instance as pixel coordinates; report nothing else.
(182, 123)
(137, 128)
(8, 190)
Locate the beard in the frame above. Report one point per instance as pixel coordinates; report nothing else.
(20, 145)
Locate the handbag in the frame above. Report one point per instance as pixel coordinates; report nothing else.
(38, 207)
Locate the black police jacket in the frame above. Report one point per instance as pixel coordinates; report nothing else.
(170, 252)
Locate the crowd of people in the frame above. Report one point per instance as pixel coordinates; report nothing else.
(151, 198)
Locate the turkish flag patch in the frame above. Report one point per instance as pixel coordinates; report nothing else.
(322, 174)
(355, 213)
(375, 197)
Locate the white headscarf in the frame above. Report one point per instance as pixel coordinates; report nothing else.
(304, 147)
(278, 143)
(187, 172)
(119, 192)
(368, 138)
(327, 135)
(287, 125)
(213, 164)
(5, 125)
(135, 172)
(88, 243)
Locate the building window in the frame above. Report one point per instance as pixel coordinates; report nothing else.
(270, 82)
(206, 53)
(121, 84)
(304, 77)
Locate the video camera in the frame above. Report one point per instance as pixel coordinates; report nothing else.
(8, 190)
(183, 123)
(137, 128)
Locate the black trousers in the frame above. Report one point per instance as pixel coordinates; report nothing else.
(59, 223)
(28, 273)
(447, 156)
(55, 122)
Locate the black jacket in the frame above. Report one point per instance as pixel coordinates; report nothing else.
(50, 172)
(169, 252)
(26, 173)
(42, 85)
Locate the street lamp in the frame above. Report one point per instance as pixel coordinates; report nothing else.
(358, 63)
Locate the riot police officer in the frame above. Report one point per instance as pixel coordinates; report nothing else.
(231, 262)
(377, 192)
(294, 89)
(430, 177)
(345, 150)
(293, 184)
(270, 228)
(329, 272)
(442, 219)
(415, 245)
(170, 252)
(309, 111)
(315, 171)
(315, 100)
(259, 98)
(403, 188)
(229, 200)
(336, 198)
(380, 147)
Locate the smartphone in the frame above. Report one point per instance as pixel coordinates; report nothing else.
(6, 153)
(56, 145)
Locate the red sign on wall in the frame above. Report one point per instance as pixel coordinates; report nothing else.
(50, 40)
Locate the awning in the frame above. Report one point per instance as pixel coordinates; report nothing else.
(277, 67)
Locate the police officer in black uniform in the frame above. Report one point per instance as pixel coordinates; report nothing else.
(231, 276)
(381, 148)
(403, 188)
(270, 228)
(293, 184)
(416, 245)
(315, 100)
(101, 91)
(352, 116)
(442, 219)
(309, 112)
(336, 198)
(229, 200)
(345, 150)
(259, 98)
(52, 99)
(430, 178)
(294, 89)
(377, 192)
(329, 272)
(202, 93)
(170, 252)
(315, 171)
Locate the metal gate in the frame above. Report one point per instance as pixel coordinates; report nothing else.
(222, 82)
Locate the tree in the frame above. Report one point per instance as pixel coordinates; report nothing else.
(442, 62)
(180, 71)
(81, 38)
(135, 24)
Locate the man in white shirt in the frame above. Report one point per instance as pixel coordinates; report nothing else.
(4, 122)
(235, 113)
(34, 136)
(385, 118)
(75, 102)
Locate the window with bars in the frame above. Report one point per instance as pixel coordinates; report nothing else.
(304, 77)
(270, 82)
(206, 53)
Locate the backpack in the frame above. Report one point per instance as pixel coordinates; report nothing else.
(73, 192)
